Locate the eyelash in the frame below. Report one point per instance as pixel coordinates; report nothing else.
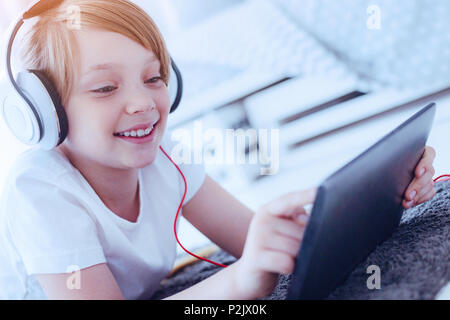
(104, 89)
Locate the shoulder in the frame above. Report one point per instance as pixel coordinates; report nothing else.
(41, 198)
(44, 218)
(45, 164)
(34, 178)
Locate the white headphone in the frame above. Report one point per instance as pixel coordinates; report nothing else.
(32, 108)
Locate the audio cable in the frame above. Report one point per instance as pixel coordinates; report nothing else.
(438, 179)
(178, 212)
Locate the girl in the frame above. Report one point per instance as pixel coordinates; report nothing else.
(104, 204)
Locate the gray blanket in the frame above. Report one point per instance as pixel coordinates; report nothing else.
(414, 261)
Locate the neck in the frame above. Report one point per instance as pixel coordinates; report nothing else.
(122, 200)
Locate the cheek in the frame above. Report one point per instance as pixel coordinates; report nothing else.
(163, 101)
(87, 125)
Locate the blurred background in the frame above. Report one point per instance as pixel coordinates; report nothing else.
(332, 76)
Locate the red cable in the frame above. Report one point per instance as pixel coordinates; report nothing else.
(178, 211)
(184, 196)
(444, 175)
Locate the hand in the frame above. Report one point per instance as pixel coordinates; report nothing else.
(272, 244)
(421, 188)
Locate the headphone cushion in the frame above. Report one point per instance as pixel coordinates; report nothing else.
(56, 99)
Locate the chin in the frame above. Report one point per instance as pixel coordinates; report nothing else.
(145, 161)
(141, 158)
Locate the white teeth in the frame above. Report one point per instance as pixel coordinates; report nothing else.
(138, 133)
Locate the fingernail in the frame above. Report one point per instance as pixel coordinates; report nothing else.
(308, 209)
(412, 194)
(410, 203)
(421, 172)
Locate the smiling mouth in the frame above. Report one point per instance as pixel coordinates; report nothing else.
(141, 133)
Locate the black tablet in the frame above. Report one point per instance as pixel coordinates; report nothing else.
(358, 207)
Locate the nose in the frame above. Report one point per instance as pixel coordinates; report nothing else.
(139, 101)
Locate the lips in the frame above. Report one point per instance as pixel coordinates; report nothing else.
(140, 140)
(142, 126)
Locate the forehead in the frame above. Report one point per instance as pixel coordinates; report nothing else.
(102, 50)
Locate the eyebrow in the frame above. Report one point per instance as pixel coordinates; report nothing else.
(107, 66)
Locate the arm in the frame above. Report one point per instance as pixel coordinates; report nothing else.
(213, 211)
(96, 283)
(219, 216)
(272, 243)
(273, 239)
(219, 286)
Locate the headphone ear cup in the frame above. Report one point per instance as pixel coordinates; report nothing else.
(175, 86)
(21, 117)
(46, 100)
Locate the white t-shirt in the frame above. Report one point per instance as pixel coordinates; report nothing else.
(52, 221)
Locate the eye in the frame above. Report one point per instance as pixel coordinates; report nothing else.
(153, 80)
(105, 89)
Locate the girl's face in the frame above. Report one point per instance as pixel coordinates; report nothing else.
(118, 87)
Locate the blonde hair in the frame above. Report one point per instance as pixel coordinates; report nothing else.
(50, 45)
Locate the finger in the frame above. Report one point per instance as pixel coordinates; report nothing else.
(430, 151)
(291, 204)
(277, 262)
(424, 190)
(284, 244)
(407, 204)
(426, 163)
(410, 193)
(425, 194)
(428, 196)
(424, 166)
(417, 185)
(286, 228)
(302, 219)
